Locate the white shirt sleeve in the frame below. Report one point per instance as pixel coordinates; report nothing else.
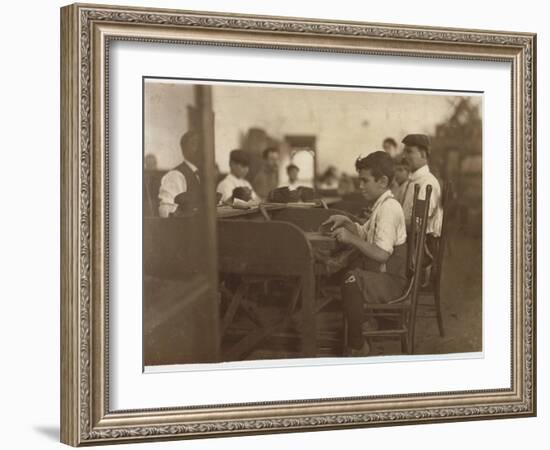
(408, 198)
(361, 231)
(254, 197)
(390, 226)
(225, 188)
(434, 197)
(172, 184)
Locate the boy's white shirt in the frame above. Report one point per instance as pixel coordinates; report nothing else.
(385, 227)
(423, 177)
(229, 183)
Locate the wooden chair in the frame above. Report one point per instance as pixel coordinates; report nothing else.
(403, 310)
(433, 286)
(260, 251)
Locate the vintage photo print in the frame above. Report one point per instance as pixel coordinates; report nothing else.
(285, 221)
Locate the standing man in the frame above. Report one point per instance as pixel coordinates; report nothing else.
(180, 188)
(416, 153)
(267, 178)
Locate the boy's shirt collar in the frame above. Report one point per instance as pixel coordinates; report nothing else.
(382, 198)
(234, 177)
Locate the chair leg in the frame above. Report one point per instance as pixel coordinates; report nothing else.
(404, 344)
(437, 304)
(410, 333)
(405, 336)
(345, 337)
(309, 331)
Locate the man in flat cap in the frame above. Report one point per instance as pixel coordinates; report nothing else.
(416, 154)
(239, 162)
(180, 188)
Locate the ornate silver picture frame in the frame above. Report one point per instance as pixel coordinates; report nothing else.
(87, 33)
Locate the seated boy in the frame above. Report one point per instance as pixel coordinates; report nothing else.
(292, 171)
(380, 274)
(238, 167)
(401, 179)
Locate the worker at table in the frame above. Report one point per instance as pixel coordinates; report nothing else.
(379, 274)
(239, 163)
(180, 188)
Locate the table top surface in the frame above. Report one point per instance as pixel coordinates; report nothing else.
(226, 211)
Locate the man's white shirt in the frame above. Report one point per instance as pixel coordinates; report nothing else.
(423, 177)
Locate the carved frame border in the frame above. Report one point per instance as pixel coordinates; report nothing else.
(86, 31)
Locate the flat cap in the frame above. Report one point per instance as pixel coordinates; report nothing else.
(417, 140)
(239, 157)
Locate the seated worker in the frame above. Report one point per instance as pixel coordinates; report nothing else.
(239, 163)
(182, 182)
(379, 274)
(292, 171)
(401, 180)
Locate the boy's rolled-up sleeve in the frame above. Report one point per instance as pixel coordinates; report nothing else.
(389, 224)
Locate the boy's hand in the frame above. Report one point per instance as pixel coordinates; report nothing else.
(335, 222)
(343, 235)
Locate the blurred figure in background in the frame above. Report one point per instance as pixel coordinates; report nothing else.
(292, 171)
(329, 179)
(150, 162)
(345, 185)
(390, 147)
(267, 179)
(401, 179)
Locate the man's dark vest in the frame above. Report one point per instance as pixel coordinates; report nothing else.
(193, 194)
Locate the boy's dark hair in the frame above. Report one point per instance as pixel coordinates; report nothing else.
(291, 166)
(378, 163)
(239, 156)
(269, 150)
(390, 140)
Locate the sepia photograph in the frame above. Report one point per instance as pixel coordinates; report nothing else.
(285, 221)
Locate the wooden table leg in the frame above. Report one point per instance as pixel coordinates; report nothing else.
(309, 326)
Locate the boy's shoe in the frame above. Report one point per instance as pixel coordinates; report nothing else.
(371, 324)
(363, 351)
